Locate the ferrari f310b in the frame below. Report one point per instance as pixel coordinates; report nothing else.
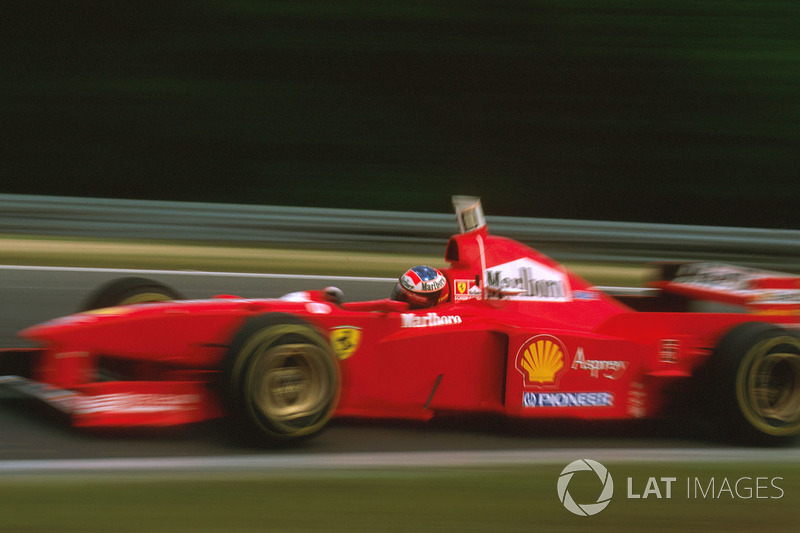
(515, 334)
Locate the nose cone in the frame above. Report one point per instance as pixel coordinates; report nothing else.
(53, 329)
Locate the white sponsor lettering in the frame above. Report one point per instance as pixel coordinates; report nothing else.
(724, 277)
(316, 308)
(567, 399)
(637, 400)
(777, 297)
(739, 281)
(610, 369)
(424, 286)
(410, 320)
(533, 280)
(135, 403)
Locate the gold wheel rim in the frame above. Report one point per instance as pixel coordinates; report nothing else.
(288, 385)
(768, 386)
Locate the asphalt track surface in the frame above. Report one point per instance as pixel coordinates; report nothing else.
(33, 435)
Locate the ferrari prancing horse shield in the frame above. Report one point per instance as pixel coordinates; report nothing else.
(344, 341)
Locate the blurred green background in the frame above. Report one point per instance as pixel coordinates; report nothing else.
(520, 498)
(659, 111)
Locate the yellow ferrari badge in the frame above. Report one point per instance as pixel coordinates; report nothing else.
(345, 340)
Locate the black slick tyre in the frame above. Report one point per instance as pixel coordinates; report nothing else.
(755, 374)
(127, 291)
(281, 381)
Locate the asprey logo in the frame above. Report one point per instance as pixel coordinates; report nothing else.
(609, 369)
(586, 509)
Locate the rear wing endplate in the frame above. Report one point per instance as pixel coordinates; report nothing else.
(760, 291)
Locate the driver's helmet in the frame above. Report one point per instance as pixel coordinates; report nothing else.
(421, 286)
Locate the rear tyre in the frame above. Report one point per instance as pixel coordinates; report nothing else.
(127, 291)
(756, 368)
(281, 380)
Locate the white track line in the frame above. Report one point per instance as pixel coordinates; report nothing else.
(390, 460)
(132, 271)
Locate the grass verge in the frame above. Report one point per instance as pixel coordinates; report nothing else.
(519, 498)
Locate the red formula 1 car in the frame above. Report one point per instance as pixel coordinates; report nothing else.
(519, 336)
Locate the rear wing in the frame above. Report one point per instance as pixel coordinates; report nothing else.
(759, 291)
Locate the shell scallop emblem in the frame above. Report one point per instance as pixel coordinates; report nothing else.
(540, 360)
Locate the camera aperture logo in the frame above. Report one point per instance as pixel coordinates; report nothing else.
(585, 509)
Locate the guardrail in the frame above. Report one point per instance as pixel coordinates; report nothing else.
(388, 231)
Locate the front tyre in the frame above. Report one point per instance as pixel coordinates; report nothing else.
(281, 380)
(758, 373)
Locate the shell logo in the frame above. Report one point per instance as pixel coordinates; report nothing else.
(540, 359)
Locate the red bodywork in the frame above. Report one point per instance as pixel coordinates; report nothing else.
(520, 336)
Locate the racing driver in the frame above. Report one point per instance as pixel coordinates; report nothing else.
(422, 286)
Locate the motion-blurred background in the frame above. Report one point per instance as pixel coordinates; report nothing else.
(661, 111)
